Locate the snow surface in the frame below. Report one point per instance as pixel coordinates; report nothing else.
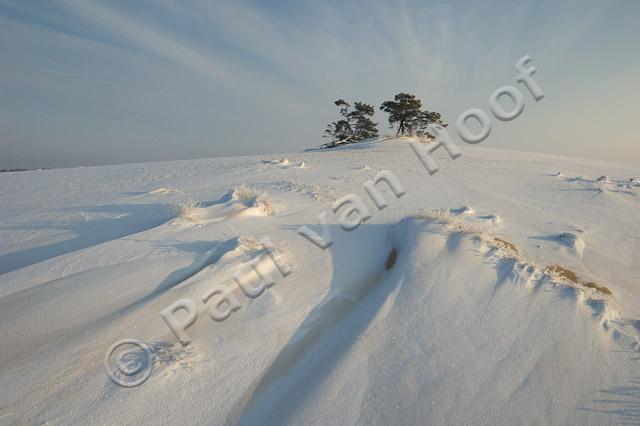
(467, 324)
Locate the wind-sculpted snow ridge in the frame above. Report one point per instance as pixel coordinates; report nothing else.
(591, 294)
(330, 329)
(243, 199)
(317, 192)
(573, 241)
(605, 183)
(285, 163)
(89, 226)
(451, 310)
(164, 191)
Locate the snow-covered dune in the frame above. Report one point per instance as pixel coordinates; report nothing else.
(503, 289)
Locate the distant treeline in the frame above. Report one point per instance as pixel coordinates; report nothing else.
(13, 170)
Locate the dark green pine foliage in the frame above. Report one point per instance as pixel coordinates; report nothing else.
(361, 122)
(420, 125)
(340, 131)
(403, 110)
(354, 126)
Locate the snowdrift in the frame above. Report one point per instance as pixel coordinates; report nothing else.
(476, 297)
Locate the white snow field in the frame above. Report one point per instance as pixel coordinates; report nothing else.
(480, 296)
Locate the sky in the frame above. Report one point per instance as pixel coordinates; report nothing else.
(91, 82)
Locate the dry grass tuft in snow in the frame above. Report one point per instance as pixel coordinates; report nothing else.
(455, 222)
(263, 203)
(251, 197)
(243, 193)
(249, 246)
(186, 209)
(442, 216)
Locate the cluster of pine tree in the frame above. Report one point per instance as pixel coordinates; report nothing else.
(356, 124)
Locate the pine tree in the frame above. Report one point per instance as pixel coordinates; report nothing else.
(343, 106)
(354, 126)
(340, 131)
(404, 110)
(360, 118)
(420, 125)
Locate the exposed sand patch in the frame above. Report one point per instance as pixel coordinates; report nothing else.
(571, 276)
(507, 244)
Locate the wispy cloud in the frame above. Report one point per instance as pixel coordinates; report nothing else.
(160, 79)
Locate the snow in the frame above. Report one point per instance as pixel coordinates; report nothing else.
(471, 324)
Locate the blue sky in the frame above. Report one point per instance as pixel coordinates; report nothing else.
(89, 82)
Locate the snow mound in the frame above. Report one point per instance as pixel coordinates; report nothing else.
(463, 211)
(573, 241)
(243, 199)
(285, 163)
(423, 322)
(164, 191)
(504, 313)
(604, 183)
